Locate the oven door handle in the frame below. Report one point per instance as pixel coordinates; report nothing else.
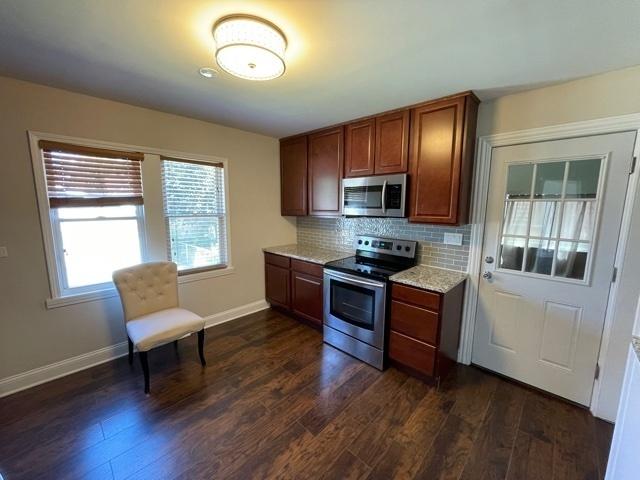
(352, 279)
(384, 197)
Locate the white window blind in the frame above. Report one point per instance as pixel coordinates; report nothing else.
(195, 214)
(80, 176)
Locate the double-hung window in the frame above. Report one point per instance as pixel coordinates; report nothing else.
(95, 208)
(195, 214)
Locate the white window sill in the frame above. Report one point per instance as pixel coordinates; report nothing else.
(111, 292)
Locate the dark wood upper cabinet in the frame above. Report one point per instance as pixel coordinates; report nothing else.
(293, 176)
(325, 168)
(392, 142)
(359, 138)
(441, 160)
(434, 142)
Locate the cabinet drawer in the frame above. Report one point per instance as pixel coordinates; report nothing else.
(412, 353)
(414, 321)
(277, 260)
(306, 267)
(416, 296)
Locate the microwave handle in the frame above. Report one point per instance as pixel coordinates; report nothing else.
(384, 197)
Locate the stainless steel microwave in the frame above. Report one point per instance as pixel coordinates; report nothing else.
(379, 196)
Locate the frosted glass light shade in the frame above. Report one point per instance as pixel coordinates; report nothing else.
(249, 47)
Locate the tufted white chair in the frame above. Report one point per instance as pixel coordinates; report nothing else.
(149, 296)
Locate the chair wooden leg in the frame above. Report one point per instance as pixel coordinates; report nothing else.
(145, 369)
(201, 347)
(130, 351)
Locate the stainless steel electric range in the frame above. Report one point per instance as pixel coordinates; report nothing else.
(356, 292)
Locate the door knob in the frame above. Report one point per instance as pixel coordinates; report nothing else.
(488, 259)
(488, 275)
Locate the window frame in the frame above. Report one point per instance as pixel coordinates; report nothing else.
(57, 298)
(65, 290)
(225, 216)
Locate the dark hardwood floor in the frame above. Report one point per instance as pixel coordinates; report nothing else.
(275, 402)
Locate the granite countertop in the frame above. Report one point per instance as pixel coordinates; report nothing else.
(635, 343)
(430, 278)
(308, 253)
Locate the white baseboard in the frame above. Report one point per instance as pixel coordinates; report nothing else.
(233, 313)
(31, 378)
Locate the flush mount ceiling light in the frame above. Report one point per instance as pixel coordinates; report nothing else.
(249, 47)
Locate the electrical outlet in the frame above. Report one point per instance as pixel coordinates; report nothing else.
(4, 252)
(453, 238)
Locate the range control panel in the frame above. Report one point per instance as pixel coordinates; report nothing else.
(389, 246)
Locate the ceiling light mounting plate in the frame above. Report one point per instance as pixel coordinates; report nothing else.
(208, 72)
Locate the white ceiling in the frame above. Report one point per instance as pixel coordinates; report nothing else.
(346, 58)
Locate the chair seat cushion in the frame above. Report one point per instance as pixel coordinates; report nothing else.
(162, 327)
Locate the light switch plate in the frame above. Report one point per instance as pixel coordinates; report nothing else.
(3, 252)
(453, 238)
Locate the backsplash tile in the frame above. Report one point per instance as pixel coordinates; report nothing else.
(339, 233)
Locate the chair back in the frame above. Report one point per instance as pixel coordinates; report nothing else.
(147, 288)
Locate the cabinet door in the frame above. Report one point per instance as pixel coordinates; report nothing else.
(392, 143)
(358, 148)
(325, 172)
(277, 285)
(442, 137)
(293, 176)
(306, 296)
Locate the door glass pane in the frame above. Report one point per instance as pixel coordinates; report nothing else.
(577, 220)
(540, 256)
(519, 181)
(516, 218)
(511, 253)
(544, 219)
(549, 178)
(353, 304)
(582, 181)
(572, 259)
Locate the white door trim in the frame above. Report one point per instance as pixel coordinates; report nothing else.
(484, 147)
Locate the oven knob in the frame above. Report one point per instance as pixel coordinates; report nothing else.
(359, 242)
(407, 248)
(366, 242)
(399, 247)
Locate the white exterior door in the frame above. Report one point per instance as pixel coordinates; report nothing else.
(553, 220)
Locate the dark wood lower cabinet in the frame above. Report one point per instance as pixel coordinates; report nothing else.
(277, 281)
(306, 296)
(425, 330)
(295, 286)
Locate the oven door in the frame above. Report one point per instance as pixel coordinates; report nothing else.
(382, 196)
(355, 306)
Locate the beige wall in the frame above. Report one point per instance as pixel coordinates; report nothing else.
(606, 95)
(610, 94)
(32, 336)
